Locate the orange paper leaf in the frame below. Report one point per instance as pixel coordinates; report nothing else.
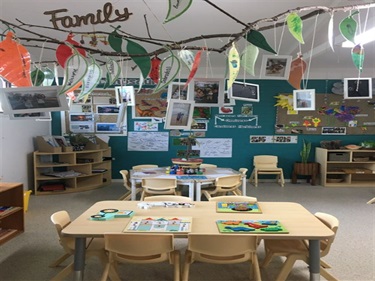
(297, 69)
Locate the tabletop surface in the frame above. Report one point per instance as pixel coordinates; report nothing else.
(299, 222)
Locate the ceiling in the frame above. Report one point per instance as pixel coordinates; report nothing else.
(203, 18)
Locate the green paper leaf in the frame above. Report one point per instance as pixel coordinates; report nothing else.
(144, 61)
(295, 24)
(169, 69)
(249, 57)
(348, 28)
(49, 77)
(176, 8)
(37, 77)
(115, 40)
(358, 56)
(113, 71)
(91, 79)
(256, 38)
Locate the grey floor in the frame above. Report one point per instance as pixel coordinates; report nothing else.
(26, 258)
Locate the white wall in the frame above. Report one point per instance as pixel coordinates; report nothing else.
(16, 148)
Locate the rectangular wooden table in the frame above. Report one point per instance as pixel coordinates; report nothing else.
(300, 223)
(194, 184)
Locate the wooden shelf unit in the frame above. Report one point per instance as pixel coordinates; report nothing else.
(344, 167)
(11, 221)
(94, 165)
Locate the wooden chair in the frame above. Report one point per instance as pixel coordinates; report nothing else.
(221, 249)
(233, 198)
(144, 166)
(171, 198)
(128, 186)
(139, 248)
(224, 185)
(266, 165)
(299, 249)
(95, 247)
(158, 186)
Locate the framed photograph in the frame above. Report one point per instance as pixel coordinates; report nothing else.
(275, 67)
(32, 99)
(244, 91)
(179, 114)
(199, 125)
(61, 141)
(107, 109)
(38, 116)
(107, 128)
(304, 99)
(125, 94)
(357, 88)
(81, 127)
(81, 117)
(176, 92)
(207, 92)
(150, 104)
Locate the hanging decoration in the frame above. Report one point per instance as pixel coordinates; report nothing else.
(115, 40)
(49, 76)
(155, 67)
(176, 8)
(233, 64)
(249, 57)
(348, 27)
(113, 72)
(94, 39)
(297, 70)
(187, 58)
(256, 38)
(64, 51)
(91, 79)
(330, 33)
(139, 56)
(197, 61)
(169, 69)
(295, 25)
(75, 69)
(15, 62)
(37, 77)
(358, 56)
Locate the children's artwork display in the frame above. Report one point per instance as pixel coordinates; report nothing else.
(253, 226)
(238, 207)
(159, 224)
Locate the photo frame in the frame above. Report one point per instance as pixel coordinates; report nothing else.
(304, 99)
(244, 91)
(107, 109)
(125, 94)
(179, 114)
(32, 99)
(38, 116)
(150, 104)
(207, 92)
(107, 128)
(176, 91)
(275, 67)
(357, 88)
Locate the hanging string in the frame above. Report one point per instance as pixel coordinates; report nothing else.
(281, 38)
(311, 54)
(40, 59)
(208, 62)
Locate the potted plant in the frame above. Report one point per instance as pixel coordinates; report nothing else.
(305, 168)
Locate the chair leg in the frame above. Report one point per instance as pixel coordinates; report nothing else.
(327, 275)
(287, 267)
(324, 264)
(176, 263)
(60, 260)
(64, 273)
(267, 259)
(186, 268)
(282, 179)
(125, 196)
(256, 270)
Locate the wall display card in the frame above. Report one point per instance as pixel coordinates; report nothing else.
(159, 224)
(253, 226)
(148, 141)
(274, 139)
(145, 126)
(215, 147)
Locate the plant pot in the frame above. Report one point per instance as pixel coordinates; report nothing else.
(309, 169)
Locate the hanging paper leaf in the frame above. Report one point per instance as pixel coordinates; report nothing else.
(115, 40)
(169, 69)
(330, 33)
(37, 77)
(15, 62)
(113, 72)
(248, 58)
(143, 61)
(49, 77)
(187, 58)
(176, 8)
(297, 69)
(56, 73)
(358, 56)
(91, 79)
(348, 28)
(75, 69)
(295, 24)
(197, 61)
(256, 38)
(234, 65)
(155, 66)
(64, 51)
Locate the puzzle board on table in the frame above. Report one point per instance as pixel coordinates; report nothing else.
(159, 224)
(191, 177)
(253, 226)
(238, 207)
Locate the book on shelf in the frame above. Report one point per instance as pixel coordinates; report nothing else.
(4, 209)
(51, 141)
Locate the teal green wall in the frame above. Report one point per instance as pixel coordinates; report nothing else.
(243, 151)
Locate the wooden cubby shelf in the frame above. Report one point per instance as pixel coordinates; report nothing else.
(56, 171)
(343, 167)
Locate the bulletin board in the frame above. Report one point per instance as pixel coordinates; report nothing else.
(332, 116)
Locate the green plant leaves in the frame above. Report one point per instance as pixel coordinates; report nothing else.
(295, 25)
(115, 40)
(139, 56)
(249, 57)
(256, 38)
(348, 28)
